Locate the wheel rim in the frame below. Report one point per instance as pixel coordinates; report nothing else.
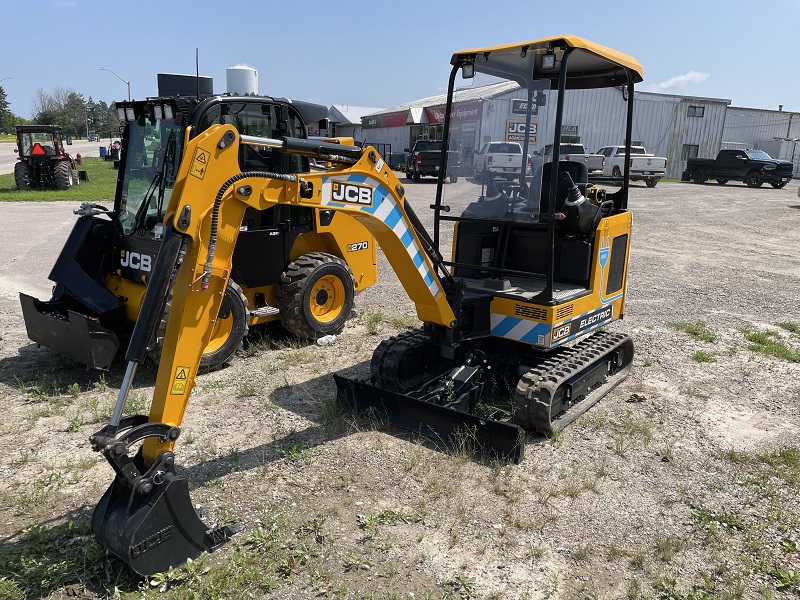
(220, 334)
(327, 298)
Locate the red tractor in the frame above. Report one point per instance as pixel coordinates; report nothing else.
(42, 160)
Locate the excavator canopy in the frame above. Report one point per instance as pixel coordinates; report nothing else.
(591, 65)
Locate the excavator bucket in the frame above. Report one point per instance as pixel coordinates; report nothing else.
(154, 531)
(486, 438)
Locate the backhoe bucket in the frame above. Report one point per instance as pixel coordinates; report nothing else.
(486, 438)
(155, 531)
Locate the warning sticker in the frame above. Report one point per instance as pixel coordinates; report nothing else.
(180, 380)
(199, 163)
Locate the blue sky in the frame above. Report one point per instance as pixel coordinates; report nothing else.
(381, 54)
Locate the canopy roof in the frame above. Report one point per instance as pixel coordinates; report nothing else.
(590, 65)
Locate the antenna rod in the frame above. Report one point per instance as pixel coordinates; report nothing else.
(197, 70)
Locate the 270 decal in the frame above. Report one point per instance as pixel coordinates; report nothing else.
(352, 193)
(357, 246)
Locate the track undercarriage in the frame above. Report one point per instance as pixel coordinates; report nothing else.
(490, 394)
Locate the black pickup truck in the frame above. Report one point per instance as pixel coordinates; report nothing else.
(753, 167)
(425, 157)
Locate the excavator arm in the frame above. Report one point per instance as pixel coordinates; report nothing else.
(146, 517)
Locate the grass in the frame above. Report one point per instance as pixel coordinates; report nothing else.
(770, 344)
(99, 188)
(697, 330)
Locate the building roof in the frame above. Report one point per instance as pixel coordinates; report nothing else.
(345, 114)
(464, 95)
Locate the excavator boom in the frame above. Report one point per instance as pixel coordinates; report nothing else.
(146, 517)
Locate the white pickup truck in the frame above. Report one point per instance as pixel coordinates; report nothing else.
(644, 166)
(574, 153)
(498, 159)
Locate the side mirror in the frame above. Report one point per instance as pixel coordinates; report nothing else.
(406, 150)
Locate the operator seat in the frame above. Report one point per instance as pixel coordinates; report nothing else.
(576, 170)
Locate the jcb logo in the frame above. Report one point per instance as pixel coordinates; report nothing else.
(134, 260)
(561, 332)
(352, 193)
(518, 127)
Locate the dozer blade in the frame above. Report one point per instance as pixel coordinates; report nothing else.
(486, 437)
(155, 531)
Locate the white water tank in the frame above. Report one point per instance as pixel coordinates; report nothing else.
(242, 80)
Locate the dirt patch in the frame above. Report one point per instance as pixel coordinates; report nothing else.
(683, 481)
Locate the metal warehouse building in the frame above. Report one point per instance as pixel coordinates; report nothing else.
(677, 127)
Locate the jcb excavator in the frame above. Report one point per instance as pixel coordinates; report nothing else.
(538, 267)
(316, 263)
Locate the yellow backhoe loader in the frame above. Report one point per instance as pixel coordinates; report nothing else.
(539, 266)
(300, 265)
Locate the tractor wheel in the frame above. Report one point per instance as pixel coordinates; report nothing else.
(228, 334)
(63, 175)
(699, 176)
(316, 295)
(754, 179)
(22, 176)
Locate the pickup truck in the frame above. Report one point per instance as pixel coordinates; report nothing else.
(643, 165)
(425, 157)
(576, 153)
(498, 159)
(753, 167)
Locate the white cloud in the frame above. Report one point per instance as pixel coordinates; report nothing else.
(64, 4)
(680, 81)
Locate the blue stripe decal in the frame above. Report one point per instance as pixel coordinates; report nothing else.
(417, 258)
(532, 337)
(428, 279)
(393, 218)
(407, 238)
(504, 326)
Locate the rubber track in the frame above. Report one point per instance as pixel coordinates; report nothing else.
(387, 356)
(537, 388)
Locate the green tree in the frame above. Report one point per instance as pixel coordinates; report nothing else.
(6, 116)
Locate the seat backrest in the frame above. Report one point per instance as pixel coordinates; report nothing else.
(576, 170)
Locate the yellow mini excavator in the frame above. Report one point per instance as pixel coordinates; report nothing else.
(511, 337)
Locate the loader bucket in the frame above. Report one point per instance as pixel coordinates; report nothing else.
(155, 531)
(74, 335)
(488, 438)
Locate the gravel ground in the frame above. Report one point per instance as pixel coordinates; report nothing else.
(682, 483)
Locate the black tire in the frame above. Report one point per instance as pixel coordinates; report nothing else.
(754, 179)
(315, 295)
(651, 181)
(615, 172)
(416, 177)
(453, 178)
(408, 174)
(699, 176)
(229, 332)
(778, 184)
(22, 176)
(722, 181)
(63, 175)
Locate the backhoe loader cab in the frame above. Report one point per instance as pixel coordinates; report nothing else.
(293, 264)
(538, 267)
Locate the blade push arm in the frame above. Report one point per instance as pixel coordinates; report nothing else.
(366, 189)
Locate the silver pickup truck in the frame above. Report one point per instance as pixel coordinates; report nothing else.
(643, 165)
(575, 153)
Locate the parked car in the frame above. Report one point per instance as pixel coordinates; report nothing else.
(572, 152)
(425, 158)
(498, 159)
(93, 137)
(643, 165)
(753, 167)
